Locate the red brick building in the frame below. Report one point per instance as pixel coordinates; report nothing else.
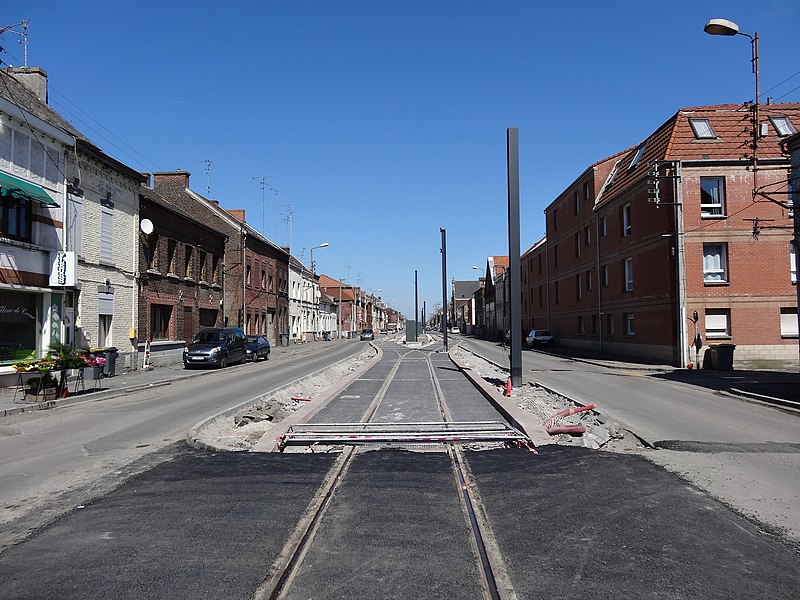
(255, 276)
(643, 239)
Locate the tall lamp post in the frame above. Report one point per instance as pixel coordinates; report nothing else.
(322, 245)
(729, 28)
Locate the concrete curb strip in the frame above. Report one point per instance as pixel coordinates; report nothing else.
(194, 435)
(515, 415)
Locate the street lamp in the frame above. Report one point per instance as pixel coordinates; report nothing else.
(729, 28)
(322, 245)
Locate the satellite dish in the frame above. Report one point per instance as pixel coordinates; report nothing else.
(146, 225)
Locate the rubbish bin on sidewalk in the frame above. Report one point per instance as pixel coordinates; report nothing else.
(284, 339)
(110, 355)
(724, 360)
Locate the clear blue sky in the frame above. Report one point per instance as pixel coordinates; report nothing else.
(380, 121)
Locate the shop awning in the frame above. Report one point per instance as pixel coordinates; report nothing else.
(22, 190)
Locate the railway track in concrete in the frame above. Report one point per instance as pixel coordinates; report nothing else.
(379, 428)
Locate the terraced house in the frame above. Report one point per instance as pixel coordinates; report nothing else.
(67, 223)
(673, 242)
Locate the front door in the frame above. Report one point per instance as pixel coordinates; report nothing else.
(188, 330)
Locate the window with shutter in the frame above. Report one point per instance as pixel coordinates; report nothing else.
(717, 323)
(106, 235)
(74, 224)
(789, 322)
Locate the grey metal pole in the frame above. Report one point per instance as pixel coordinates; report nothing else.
(416, 307)
(515, 352)
(444, 283)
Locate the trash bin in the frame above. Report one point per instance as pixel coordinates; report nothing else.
(724, 354)
(284, 339)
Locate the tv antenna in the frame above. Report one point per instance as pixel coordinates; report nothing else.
(208, 178)
(288, 220)
(22, 34)
(262, 185)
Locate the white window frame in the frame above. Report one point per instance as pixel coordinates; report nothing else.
(628, 270)
(711, 271)
(630, 324)
(638, 156)
(702, 129)
(792, 263)
(74, 224)
(718, 323)
(626, 220)
(789, 322)
(605, 275)
(106, 235)
(783, 125)
(713, 209)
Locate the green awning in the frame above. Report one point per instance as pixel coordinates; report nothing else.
(22, 190)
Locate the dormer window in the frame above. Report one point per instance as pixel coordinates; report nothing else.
(638, 156)
(702, 129)
(783, 126)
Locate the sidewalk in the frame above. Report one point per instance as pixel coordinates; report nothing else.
(775, 387)
(125, 382)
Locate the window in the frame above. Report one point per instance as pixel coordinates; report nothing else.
(712, 196)
(626, 220)
(789, 322)
(188, 270)
(638, 156)
(104, 330)
(555, 255)
(715, 263)
(702, 129)
(603, 227)
(611, 326)
(576, 202)
(214, 268)
(578, 288)
(248, 273)
(628, 270)
(587, 235)
(201, 255)
(589, 281)
(717, 322)
(541, 295)
(581, 326)
(16, 217)
(263, 279)
(558, 295)
(630, 328)
(577, 245)
(160, 315)
(792, 262)
(539, 259)
(106, 235)
(74, 223)
(171, 245)
(594, 324)
(783, 125)
(555, 219)
(605, 275)
(269, 284)
(585, 191)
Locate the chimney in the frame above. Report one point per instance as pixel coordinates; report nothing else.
(171, 178)
(33, 78)
(238, 214)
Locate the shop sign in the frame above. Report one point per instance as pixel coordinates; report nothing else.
(62, 273)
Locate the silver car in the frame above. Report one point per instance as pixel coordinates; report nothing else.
(539, 337)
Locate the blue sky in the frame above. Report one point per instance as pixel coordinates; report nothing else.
(380, 122)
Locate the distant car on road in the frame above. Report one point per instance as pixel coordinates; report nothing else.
(539, 337)
(216, 348)
(455, 330)
(257, 347)
(367, 334)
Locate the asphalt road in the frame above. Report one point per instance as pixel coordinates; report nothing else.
(52, 459)
(567, 523)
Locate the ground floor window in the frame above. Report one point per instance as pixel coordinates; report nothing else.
(718, 323)
(104, 331)
(208, 317)
(630, 328)
(789, 322)
(18, 326)
(160, 315)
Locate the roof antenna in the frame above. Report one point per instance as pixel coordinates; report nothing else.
(208, 178)
(23, 34)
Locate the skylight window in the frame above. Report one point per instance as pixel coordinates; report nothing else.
(702, 129)
(783, 125)
(638, 156)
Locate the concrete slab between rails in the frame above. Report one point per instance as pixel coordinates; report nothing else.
(268, 442)
(523, 421)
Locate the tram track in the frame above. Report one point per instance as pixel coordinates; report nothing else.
(494, 582)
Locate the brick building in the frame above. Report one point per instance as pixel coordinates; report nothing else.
(643, 239)
(180, 277)
(345, 298)
(255, 275)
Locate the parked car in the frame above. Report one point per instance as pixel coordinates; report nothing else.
(455, 330)
(257, 347)
(216, 348)
(539, 337)
(367, 334)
